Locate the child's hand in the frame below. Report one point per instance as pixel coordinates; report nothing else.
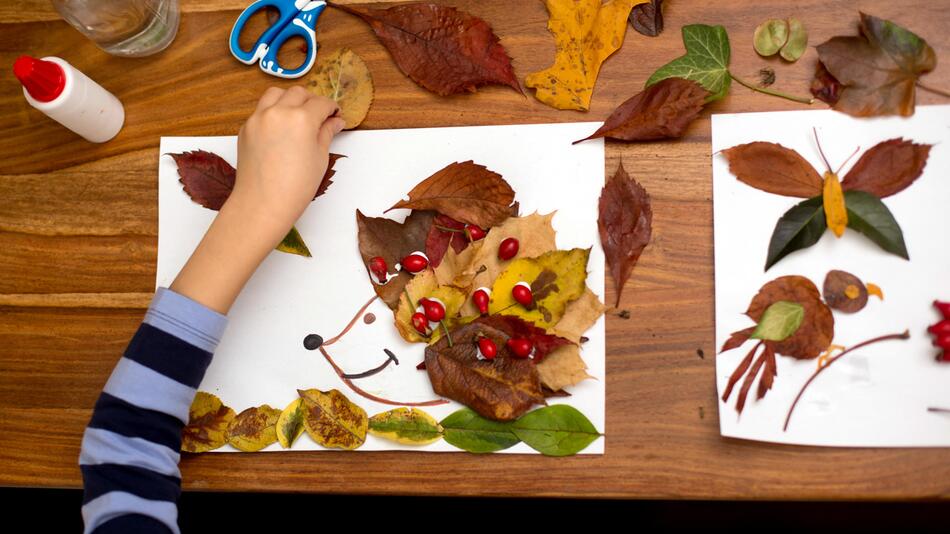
(282, 157)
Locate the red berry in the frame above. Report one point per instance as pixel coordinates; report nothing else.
(943, 342)
(944, 356)
(940, 329)
(508, 249)
(943, 307)
(520, 347)
(487, 348)
(378, 267)
(415, 262)
(474, 233)
(480, 298)
(522, 294)
(434, 310)
(420, 323)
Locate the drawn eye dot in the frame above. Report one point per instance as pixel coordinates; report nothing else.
(312, 342)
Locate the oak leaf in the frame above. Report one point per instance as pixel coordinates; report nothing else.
(663, 110)
(332, 420)
(556, 278)
(392, 241)
(254, 428)
(344, 78)
(410, 426)
(587, 32)
(625, 223)
(208, 423)
(441, 48)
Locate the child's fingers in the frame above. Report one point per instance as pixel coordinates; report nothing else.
(320, 108)
(269, 98)
(330, 127)
(294, 96)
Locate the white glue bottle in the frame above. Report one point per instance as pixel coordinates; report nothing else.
(69, 97)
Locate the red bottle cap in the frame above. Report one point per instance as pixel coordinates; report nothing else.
(44, 80)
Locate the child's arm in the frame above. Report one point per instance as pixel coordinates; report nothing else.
(130, 450)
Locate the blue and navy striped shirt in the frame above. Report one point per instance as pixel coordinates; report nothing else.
(130, 450)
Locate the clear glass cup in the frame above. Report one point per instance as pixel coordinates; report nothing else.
(128, 28)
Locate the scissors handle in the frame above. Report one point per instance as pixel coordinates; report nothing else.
(287, 13)
(304, 25)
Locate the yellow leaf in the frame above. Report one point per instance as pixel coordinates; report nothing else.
(332, 420)
(208, 422)
(563, 367)
(579, 316)
(450, 270)
(406, 425)
(836, 214)
(424, 285)
(586, 33)
(290, 423)
(556, 278)
(343, 77)
(254, 428)
(874, 289)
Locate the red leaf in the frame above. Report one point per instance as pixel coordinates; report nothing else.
(739, 371)
(749, 379)
(736, 339)
(543, 342)
(662, 111)
(392, 241)
(625, 224)
(888, 167)
(774, 169)
(768, 374)
(325, 183)
(438, 240)
(442, 49)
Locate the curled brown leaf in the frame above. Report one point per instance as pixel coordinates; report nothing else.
(647, 18)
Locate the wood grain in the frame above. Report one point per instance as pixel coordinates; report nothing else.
(78, 226)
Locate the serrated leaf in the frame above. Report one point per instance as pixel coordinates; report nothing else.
(293, 243)
(344, 78)
(800, 227)
(471, 432)
(410, 426)
(556, 279)
(780, 320)
(254, 428)
(706, 61)
(868, 215)
(562, 368)
(332, 420)
(558, 430)
(290, 424)
(208, 423)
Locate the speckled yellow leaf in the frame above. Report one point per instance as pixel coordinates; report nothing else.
(343, 77)
(586, 32)
(290, 423)
(332, 420)
(579, 316)
(556, 278)
(424, 285)
(208, 422)
(836, 214)
(563, 367)
(254, 428)
(406, 425)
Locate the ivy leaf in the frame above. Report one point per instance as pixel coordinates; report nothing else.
(208, 423)
(410, 426)
(254, 428)
(290, 423)
(800, 227)
(647, 18)
(780, 320)
(466, 192)
(332, 420)
(586, 33)
(774, 169)
(344, 78)
(469, 431)
(868, 215)
(625, 224)
(558, 430)
(556, 278)
(662, 111)
(443, 49)
(706, 61)
(392, 241)
(887, 168)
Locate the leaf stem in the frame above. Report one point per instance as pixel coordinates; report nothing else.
(793, 98)
(934, 90)
(447, 334)
(904, 335)
(447, 229)
(936, 409)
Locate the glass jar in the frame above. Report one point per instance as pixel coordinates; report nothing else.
(129, 28)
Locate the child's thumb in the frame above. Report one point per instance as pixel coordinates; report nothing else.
(330, 128)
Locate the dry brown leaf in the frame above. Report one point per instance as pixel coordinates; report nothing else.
(393, 241)
(625, 223)
(887, 168)
(579, 316)
(254, 428)
(563, 368)
(774, 169)
(817, 328)
(344, 78)
(332, 420)
(450, 271)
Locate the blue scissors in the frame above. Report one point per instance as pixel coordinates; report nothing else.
(298, 18)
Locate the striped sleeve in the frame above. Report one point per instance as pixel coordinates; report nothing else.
(130, 449)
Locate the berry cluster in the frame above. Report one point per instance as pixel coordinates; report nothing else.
(941, 331)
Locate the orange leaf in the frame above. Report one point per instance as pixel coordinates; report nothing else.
(836, 214)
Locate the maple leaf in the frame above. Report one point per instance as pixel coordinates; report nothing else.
(466, 192)
(344, 78)
(625, 224)
(877, 70)
(500, 389)
(441, 48)
(392, 241)
(647, 18)
(587, 32)
(662, 111)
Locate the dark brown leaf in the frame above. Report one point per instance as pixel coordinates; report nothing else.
(817, 328)
(625, 224)
(501, 389)
(442, 49)
(769, 372)
(736, 339)
(844, 292)
(466, 192)
(393, 241)
(326, 182)
(739, 371)
(749, 379)
(774, 169)
(887, 168)
(438, 240)
(824, 86)
(647, 18)
(661, 111)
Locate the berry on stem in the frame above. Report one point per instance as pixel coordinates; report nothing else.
(508, 249)
(415, 262)
(434, 310)
(520, 347)
(480, 298)
(522, 294)
(420, 323)
(378, 267)
(474, 233)
(487, 349)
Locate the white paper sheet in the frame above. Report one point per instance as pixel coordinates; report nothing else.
(261, 358)
(876, 396)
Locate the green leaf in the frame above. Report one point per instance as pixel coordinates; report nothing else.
(779, 321)
(471, 432)
(558, 430)
(706, 61)
(868, 215)
(406, 425)
(770, 37)
(293, 244)
(797, 41)
(800, 227)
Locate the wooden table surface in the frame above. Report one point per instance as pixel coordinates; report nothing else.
(78, 247)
